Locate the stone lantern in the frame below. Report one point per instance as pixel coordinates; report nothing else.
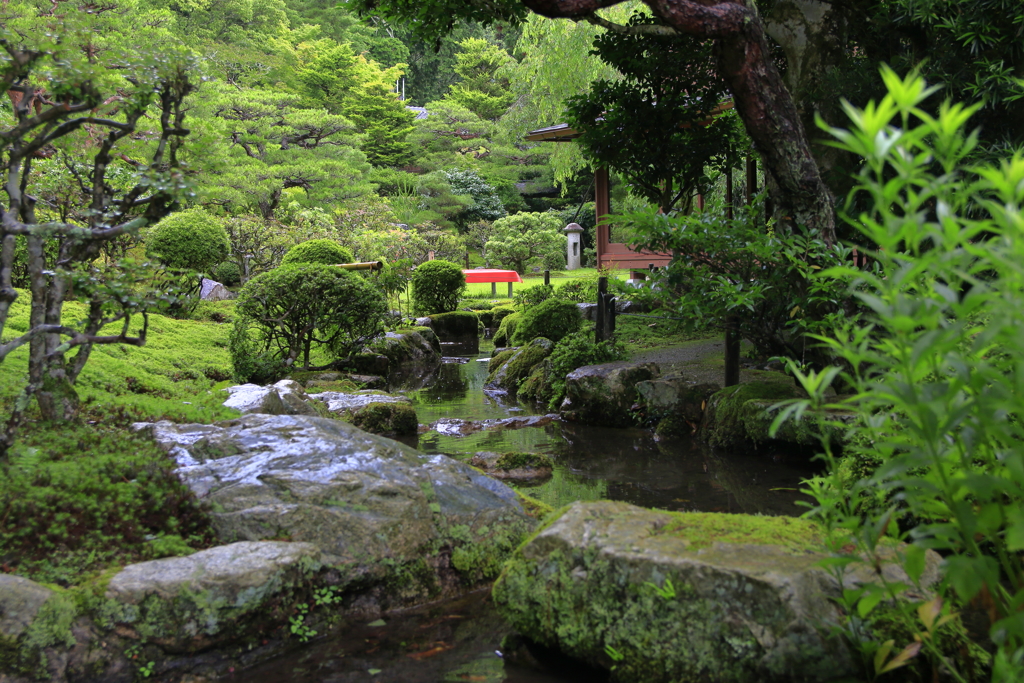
(574, 231)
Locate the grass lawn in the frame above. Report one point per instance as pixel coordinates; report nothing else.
(480, 290)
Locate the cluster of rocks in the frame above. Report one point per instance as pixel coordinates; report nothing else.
(317, 518)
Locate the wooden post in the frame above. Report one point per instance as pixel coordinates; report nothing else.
(547, 277)
(751, 179)
(728, 194)
(510, 290)
(602, 207)
(602, 289)
(494, 290)
(732, 352)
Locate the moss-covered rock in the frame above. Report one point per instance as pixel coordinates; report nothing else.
(536, 387)
(514, 464)
(742, 415)
(507, 329)
(386, 419)
(674, 404)
(659, 597)
(499, 359)
(605, 394)
(510, 374)
(455, 326)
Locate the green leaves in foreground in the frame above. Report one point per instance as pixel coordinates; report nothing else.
(936, 364)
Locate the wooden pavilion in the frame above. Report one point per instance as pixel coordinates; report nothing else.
(617, 254)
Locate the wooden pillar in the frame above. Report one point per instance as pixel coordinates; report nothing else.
(751, 179)
(547, 277)
(732, 352)
(510, 290)
(728, 194)
(602, 207)
(602, 289)
(494, 290)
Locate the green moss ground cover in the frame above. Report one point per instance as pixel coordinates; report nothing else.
(89, 494)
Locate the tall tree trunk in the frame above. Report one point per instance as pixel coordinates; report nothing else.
(761, 99)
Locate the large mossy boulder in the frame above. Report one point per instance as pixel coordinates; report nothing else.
(509, 371)
(417, 348)
(678, 597)
(605, 394)
(373, 506)
(674, 404)
(457, 326)
(742, 415)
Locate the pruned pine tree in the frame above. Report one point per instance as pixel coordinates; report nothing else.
(117, 122)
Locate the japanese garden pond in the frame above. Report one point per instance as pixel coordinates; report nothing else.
(462, 640)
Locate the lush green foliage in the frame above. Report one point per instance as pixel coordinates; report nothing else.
(507, 329)
(531, 296)
(227, 273)
(575, 351)
(520, 240)
(552, 318)
(437, 287)
(324, 251)
(651, 124)
(188, 240)
(77, 497)
(935, 364)
(288, 314)
(733, 273)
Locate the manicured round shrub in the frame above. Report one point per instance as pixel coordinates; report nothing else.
(285, 315)
(552, 318)
(437, 287)
(228, 273)
(327, 252)
(190, 240)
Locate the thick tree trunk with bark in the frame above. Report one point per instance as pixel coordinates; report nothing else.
(761, 99)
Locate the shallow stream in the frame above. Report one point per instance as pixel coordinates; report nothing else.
(460, 640)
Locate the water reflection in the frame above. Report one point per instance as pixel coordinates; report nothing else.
(594, 463)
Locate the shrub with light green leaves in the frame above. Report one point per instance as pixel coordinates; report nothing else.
(189, 240)
(437, 287)
(936, 366)
(295, 314)
(323, 251)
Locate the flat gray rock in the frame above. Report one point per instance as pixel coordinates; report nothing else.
(347, 402)
(20, 600)
(234, 574)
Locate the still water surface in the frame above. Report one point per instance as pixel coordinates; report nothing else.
(460, 640)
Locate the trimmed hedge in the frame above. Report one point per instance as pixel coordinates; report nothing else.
(437, 287)
(190, 240)
(553, 319)
(327, 252)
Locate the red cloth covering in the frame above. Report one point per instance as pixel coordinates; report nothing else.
(491, 275)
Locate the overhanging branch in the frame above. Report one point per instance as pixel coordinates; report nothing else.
(641, 30)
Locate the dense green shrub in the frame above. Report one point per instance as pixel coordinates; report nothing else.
(79, 497)
(437, 287)
(576, 351)
(287, 314)
(552, 318)
(323, 251)
(532, 296)
(189, 240)
(228, 273)
(936, 368)
(506, 329)
(455, 324)
(522, 239)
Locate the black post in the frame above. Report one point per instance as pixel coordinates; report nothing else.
(547, 277)
(602, 289)
(732, 351)
(609, 316)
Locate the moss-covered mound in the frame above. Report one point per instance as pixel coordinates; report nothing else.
(742, 415)
(657, 597)
(455, 326)
(386, 419)
(520, 364)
